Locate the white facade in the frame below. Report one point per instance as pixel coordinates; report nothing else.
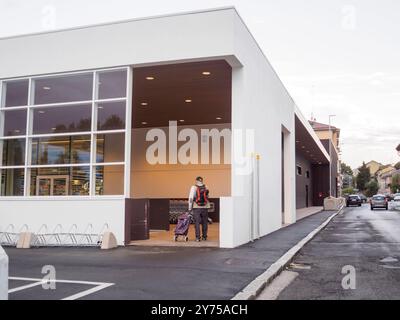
(260, 102)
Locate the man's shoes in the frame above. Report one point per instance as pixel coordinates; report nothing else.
(198, 240)
(204, 238)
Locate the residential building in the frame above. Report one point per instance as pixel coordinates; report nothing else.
(373, 166)
(384, 178)
(330, 139)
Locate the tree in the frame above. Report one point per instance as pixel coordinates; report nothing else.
(345, 169)
(372, 188)
(363, 177)
(348, 191)
(395, 186)
(397, 165)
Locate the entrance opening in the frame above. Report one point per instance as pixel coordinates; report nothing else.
(181, 121)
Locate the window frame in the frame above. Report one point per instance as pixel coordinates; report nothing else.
(28, 136)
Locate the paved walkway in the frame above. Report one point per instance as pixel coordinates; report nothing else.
(159, 273)
(305, 212)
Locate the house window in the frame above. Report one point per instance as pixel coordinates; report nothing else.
(64, 135)
(299, 170)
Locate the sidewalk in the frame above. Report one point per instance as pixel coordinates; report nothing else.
(162, 273)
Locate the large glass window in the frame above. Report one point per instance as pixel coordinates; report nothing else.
(111, 115)
(61, 150)
(62, 181)
(110, 147)
(12, 182)
(68, 88)
(13, 152)
(70, 129)
(62, 119)
(14, 122)
(15, 93)
(109, 180)
(112, 84)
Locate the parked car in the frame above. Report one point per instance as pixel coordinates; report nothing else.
(379, 201)
(395, 205)
(353, 200)
(363, 198)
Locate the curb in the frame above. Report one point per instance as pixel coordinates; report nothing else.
(254, 288)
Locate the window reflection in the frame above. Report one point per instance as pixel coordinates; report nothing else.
(13, 152)
(14, 122)
(16, 93)
(60, 181)
(111, 115)
(112, 84)
(69, 88)
(62, 119)
(109, 180)
(12, 182)
(110, 147)
(61, 150)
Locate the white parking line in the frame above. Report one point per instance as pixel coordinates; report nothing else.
(98, 286)
(25, 287)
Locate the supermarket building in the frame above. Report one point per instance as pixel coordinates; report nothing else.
(81, 108)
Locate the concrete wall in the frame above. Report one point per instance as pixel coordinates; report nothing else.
(259, 103)
(36, 212)
(136, 42)
(3, 275)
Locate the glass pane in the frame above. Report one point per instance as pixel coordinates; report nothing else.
(111, 116)
(60, 181)
(110, 147)
(16, 93)
(109, 180)
(69, 88)
(112, 84)
(61, 150)
(12, 182)
(60, 187)
(14, 122)
(13, 152)
(44, 186)
(80, 181)
(62, 119)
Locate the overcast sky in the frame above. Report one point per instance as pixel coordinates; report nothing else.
(337, 57)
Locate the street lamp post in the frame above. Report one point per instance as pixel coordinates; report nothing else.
(330, 154)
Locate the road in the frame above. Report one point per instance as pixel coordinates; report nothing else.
(367, 240)
(155, 273)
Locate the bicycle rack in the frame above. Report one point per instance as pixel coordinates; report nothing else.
(9, 237)
(56, 238)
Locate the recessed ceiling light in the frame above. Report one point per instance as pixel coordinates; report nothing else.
(41, 111)
(144, 122)
(46, 88)
(150, 78)
(218, 118)
(181, 120)
(188, 100)
(297, 141)
(100, 107)
(302, 147)
(206, 73)
(144, 104)
(16, 131)
(308, 151)
(53, 129)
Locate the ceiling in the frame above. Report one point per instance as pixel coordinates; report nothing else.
(163, 98)
(306, 145)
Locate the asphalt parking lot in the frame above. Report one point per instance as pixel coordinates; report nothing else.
(154, 273)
